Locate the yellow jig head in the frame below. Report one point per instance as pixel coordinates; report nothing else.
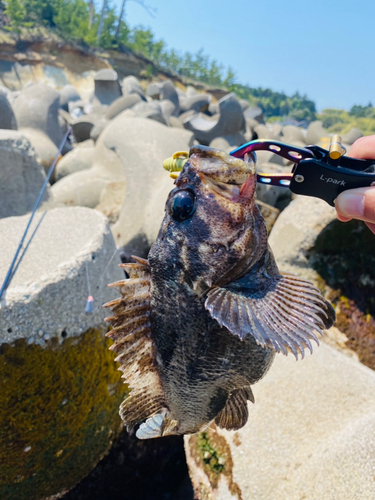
(175, 163)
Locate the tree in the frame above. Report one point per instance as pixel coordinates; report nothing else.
(147, 8)
(101, 22)
(92, 12)
(362, 111)
(16, 11)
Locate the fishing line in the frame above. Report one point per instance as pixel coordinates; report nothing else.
(10, 274)
(28, 244)
(89, 308)
(107, 266)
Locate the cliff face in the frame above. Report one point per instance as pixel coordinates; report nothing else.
(50, 59)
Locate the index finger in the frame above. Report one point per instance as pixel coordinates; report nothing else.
(363, 148)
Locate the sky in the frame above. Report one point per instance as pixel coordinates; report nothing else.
(322, 48)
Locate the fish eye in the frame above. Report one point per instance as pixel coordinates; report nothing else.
(182, 204)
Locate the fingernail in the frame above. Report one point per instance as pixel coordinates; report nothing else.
(350, 205)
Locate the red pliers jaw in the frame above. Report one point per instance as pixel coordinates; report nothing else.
(315, 172)
(291, 153)
(287, 151)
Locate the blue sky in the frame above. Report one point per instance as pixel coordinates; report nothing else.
(323, 48)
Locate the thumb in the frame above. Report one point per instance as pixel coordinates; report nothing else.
(357, 204)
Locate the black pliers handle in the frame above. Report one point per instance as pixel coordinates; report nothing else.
(315, 172)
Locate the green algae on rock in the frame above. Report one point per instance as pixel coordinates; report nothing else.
(212, 455)
(58, 413)
(344, 257)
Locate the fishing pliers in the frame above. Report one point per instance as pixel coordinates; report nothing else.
(316, 172)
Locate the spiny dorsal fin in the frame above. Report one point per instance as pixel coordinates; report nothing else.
(135, 270)
(235, 412)
(143, 262)
(284, 313)
(132, 342)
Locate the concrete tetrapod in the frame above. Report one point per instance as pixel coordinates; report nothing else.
(310, 434)
(254, 113)
(7, 118)
(83, 125)
(153, 90)
(151, 110)
(60, 388)
(145, 144)
(230, 122)
(198, 103)
(37, 111)
(264, 132)
(315, 132)
(131, 86)
(131, 150)
(338, 258)
(68, 94)
(80, 158)
(244, 104)
(353, 135)
(167, 91)
(107, 87)
(293, 135)
(21, 175)
(190, 91)
(228, 143)
(117, 107)
(167, 109)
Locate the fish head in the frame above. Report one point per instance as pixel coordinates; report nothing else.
(212, 229)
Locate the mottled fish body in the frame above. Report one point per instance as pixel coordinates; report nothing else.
(201, 320)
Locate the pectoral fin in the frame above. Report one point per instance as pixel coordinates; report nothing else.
(283, 312)
(234, 415)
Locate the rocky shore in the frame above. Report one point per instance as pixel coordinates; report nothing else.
(310, 432)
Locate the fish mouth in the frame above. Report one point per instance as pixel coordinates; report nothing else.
(225, 175)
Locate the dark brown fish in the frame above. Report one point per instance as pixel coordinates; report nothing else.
(201, 320)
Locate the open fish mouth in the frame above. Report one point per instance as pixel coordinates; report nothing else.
(230, 177)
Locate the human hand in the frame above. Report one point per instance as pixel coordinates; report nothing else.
(359, 203)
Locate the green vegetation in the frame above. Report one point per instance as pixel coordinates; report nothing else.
(341, 121)
(77, 20)
(210, 456)
(277, 103)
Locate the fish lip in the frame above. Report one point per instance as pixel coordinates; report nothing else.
(207, 152)
(224, 175)
(231, 162)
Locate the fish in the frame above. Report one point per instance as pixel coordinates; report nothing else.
(200, 321)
